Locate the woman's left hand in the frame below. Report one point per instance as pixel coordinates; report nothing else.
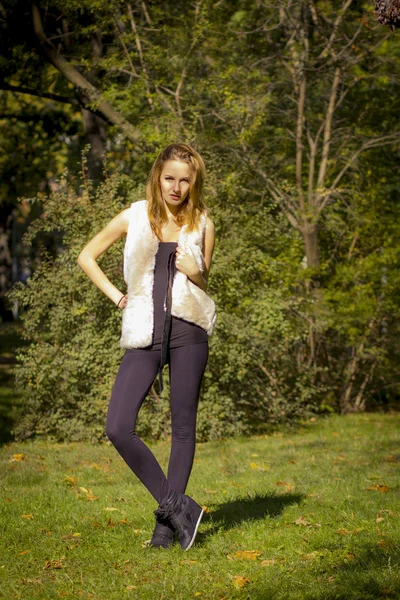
(186, 263)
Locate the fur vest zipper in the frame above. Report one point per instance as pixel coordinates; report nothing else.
(189, 302)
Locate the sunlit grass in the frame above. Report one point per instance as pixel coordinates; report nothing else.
(312, 513)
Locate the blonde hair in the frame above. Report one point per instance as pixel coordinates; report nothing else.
(193, 206)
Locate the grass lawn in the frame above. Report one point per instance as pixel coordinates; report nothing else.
(312, 513)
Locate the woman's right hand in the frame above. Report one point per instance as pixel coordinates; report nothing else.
(123, 302)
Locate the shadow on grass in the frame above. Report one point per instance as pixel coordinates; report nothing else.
(233, 513)
(370, 575)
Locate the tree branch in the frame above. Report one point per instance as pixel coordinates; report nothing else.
(327, 135)
(47, 95)
(88, 92)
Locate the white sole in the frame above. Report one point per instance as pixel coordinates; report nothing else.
(195, 531)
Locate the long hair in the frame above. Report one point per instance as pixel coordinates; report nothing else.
(193, 205)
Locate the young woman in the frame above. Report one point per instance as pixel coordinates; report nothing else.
(167, 317)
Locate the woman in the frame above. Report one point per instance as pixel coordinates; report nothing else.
(167, 318)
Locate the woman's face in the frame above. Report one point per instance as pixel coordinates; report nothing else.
(174, 181)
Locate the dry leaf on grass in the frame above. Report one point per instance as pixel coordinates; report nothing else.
(70, 480)
(54, 564)
(268, 562)
(379, 487)
(27, 517)
(88, 494)
(257, 467)
(240, 581)
(24, 552)
(246, 554)
(301, 521)
(188, 562)
(110, 508)
(18, 458)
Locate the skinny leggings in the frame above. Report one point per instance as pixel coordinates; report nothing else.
(135, 377)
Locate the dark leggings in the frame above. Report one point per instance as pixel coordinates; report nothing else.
(135, 377)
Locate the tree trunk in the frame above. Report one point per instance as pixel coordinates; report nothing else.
(310, 236)
(95, 136)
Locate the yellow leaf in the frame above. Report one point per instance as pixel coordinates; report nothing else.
(379, 519)
(197, 594)
(108, 508)
(268, 562)
(76, 535)
(188, 562)
(54, 564)
(240, 581)
(27, 517)
(301, 521)
(247, 554)
(379, 487)
(70, 480)
(131, 587)
(254, 455)
(18, 458)
(84, 490)
(24, 552)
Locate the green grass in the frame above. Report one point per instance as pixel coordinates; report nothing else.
(75, 520)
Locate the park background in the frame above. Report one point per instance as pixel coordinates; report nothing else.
(294, 106)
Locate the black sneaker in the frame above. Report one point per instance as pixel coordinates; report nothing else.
(163, 534)
(184, 515)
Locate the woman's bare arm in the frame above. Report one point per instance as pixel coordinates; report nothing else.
(115, 229)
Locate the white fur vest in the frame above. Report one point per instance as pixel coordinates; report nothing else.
(189, 302)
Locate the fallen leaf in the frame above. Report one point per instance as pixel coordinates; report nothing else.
(88, 494)
(24, 552)
(254, 455)
(197, 594)
(18, 458)
(27, 517)
(240, 581)
(247, 554)
(258, 467)
(379, 519)
(109, 508)
(131, 587)
(70, 480)
(335, 434)
(54, 564)
(188, 562)
(379, 487)
(211, 491)
(311, 555)
(347, 532)
(301, 521)
(292, 462)
(268, 562)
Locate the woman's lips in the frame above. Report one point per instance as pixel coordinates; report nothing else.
(174, 196)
